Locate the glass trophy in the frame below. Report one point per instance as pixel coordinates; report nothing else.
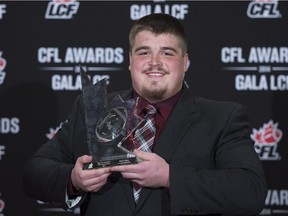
(109, 123)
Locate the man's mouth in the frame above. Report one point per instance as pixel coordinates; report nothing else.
(155, 74)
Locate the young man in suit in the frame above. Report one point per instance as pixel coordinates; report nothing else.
(202, 160)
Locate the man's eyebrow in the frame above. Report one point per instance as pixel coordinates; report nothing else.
(162, 48)
(142, 48)
(169, 48)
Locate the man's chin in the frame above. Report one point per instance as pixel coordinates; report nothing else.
(153, 94)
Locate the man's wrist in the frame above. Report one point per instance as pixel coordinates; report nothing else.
(72, 190)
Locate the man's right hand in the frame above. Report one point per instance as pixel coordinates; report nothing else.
(88, 180)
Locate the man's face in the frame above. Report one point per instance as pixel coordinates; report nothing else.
(157, 65)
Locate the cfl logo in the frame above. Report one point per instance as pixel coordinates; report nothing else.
(64, 9)
(263, 9)
(267, 152)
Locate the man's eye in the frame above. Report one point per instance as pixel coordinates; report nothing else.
(168, 54)
(143, 53)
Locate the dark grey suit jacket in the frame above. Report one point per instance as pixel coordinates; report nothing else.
(214, 169)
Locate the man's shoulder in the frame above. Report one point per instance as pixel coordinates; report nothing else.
(200, 101)
(215, 102)
(217, 106)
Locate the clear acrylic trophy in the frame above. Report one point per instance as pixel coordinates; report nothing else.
(109, 122)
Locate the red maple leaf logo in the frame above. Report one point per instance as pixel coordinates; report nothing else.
(269, 134)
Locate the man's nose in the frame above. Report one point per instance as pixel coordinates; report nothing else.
(155, 60)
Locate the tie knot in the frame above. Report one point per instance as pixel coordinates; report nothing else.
(150, 110)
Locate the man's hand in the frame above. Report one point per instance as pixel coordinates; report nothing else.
(153, 171)
(88, 180)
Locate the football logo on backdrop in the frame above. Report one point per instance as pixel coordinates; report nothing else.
(263, 9)
(61, 9)
(3, 63)
(266, 140)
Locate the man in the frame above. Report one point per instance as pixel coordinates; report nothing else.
(202, 161)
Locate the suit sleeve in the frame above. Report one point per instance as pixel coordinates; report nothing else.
(46, 173)
(234, 184)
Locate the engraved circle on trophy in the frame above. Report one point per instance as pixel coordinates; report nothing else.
(111, 124)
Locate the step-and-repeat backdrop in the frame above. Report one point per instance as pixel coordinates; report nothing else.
(238, 51)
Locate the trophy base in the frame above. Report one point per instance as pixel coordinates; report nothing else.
(108, 163)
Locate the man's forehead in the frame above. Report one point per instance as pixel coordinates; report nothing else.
(164, 40)
(155, 34)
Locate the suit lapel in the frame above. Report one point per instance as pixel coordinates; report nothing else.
(179, 121)
(128, 193)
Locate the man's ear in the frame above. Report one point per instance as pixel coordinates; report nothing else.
(130, 57)
(186, 62)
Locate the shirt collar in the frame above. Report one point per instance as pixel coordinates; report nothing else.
(164, 107)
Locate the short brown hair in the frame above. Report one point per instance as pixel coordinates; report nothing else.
(159, 24)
